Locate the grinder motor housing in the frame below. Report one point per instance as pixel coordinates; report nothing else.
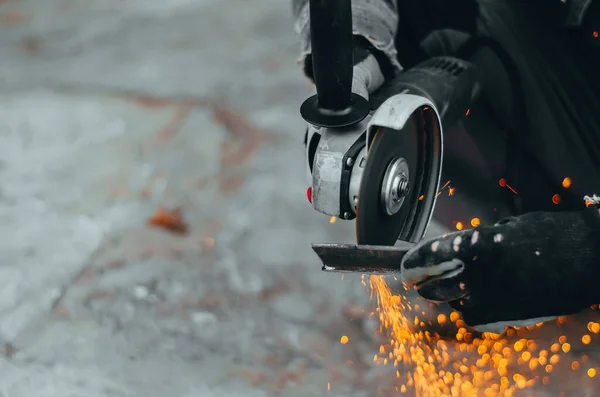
(378, 161)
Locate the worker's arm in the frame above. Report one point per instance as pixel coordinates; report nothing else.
(374, 20)
(374, 24)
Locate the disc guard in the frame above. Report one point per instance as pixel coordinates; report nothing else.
(401, 175)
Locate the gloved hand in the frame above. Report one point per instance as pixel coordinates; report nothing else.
(371, 68)
(367, 75)
(518, 272)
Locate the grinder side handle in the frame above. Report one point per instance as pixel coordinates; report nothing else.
(335, 105)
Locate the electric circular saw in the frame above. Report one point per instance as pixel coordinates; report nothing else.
(377, 162)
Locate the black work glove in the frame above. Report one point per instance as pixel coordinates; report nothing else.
(518, 272)
(590, 25)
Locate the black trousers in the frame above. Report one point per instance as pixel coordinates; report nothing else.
(537, 125)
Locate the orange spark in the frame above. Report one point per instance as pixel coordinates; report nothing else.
(475, 222)
(595, 34)
(459, 226)
(446, 185)
(503, 183)
(566, 183)
(586, 339)
(545, 380)
(454, 317)
(332, 220)
(468, 111)
(441, 318)
(562, 339)
(556, 199)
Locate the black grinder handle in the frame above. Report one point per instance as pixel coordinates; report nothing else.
(332, 62)
(331, 34)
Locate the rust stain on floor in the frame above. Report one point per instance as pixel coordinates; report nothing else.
(174, 126)
(238, 148)
(171, 220)
(147, 101)
(14, 18)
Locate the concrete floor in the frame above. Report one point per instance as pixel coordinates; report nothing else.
(112, 108)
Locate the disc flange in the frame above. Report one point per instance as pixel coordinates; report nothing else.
(395, 186)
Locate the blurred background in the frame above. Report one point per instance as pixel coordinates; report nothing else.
(155, 231)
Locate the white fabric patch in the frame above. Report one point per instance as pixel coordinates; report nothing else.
(592, 199)
(418, 274)
(474, 237)
(456, 243)
(367, 77)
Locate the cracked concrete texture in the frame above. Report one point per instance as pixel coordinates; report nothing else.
(110, 109)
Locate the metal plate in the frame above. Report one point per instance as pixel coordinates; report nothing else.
(418, 143)
(360, 258)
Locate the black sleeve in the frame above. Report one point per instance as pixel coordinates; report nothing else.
(420, 18)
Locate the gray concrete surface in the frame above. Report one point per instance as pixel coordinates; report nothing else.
(111, 108)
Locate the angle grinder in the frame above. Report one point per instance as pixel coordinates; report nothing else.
(378, 161)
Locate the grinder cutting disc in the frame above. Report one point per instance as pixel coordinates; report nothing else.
(399, 182)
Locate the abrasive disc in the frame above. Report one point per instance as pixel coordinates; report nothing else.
(418, 145)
